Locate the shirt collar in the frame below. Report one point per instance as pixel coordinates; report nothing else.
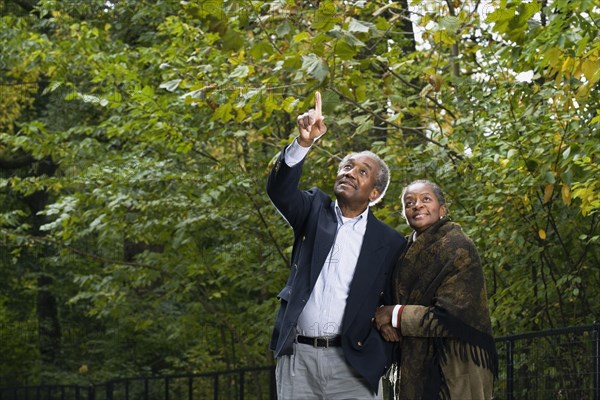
(360, 221)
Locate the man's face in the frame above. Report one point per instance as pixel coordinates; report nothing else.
(355, 181)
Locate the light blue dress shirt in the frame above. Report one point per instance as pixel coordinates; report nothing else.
(324, 310)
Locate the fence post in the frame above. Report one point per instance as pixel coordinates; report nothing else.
(509, 369)
(216, 387)
(167, 388)
(596, 358)
(91, 392)
(241, 384)
(272, 384)
(109, 390)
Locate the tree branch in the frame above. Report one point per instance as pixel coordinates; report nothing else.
(413, 131)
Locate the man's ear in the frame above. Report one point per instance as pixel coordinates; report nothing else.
(374, 195)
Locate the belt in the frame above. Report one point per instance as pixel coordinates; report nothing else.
(335, 341)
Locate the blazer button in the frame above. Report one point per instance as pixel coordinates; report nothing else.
(381, 294)
(359, 343)
(296, 265)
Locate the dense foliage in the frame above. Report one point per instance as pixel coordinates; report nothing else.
(136, 136)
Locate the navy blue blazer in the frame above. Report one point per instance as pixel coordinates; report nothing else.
(312, 216)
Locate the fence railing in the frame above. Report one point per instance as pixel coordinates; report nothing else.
(240, 384)
(554, 364)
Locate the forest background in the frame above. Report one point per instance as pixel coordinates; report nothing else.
(136, 136)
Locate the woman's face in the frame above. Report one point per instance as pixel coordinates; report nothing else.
(421, 207)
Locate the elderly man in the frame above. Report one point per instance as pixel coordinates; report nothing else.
(324, 338)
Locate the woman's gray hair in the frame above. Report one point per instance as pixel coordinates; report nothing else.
(382, 180)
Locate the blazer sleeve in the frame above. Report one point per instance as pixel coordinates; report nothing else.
(282, 188)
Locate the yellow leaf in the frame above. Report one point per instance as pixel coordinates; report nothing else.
(590, 68)
(436, 81)
(583, 91)
(553, 57)
(566, 194)
(542, 234)
(567, 66)
(548, 190)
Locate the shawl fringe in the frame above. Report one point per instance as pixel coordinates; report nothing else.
(471, 344)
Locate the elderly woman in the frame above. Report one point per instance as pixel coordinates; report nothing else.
(441, 320)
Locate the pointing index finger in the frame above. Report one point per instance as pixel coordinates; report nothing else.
(318, 103)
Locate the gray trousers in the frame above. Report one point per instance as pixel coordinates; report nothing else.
(319, 373)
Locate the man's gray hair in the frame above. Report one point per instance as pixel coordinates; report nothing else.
(382, 180)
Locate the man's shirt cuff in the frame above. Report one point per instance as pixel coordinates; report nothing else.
(295, 153)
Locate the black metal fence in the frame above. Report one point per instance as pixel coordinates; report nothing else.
(250, 383)
(561, 364)
(241, 384)
(555, 364)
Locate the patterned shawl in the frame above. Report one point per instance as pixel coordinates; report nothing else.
(441, 270)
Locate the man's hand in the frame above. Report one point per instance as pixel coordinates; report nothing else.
(383, 316)
(311, 125)
(383, 323)
(389, 333)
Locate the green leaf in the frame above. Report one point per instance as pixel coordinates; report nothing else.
(500, 14)
(283, 29)
(301, 37)
(232, 40)
(450, 23)
(171, 85)
(344, 50)
(289, 104)
(315, 67)
(223, 113)
(241, 71)
(260, 49)
(359, 26)
(148, 91)
(325, 17)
